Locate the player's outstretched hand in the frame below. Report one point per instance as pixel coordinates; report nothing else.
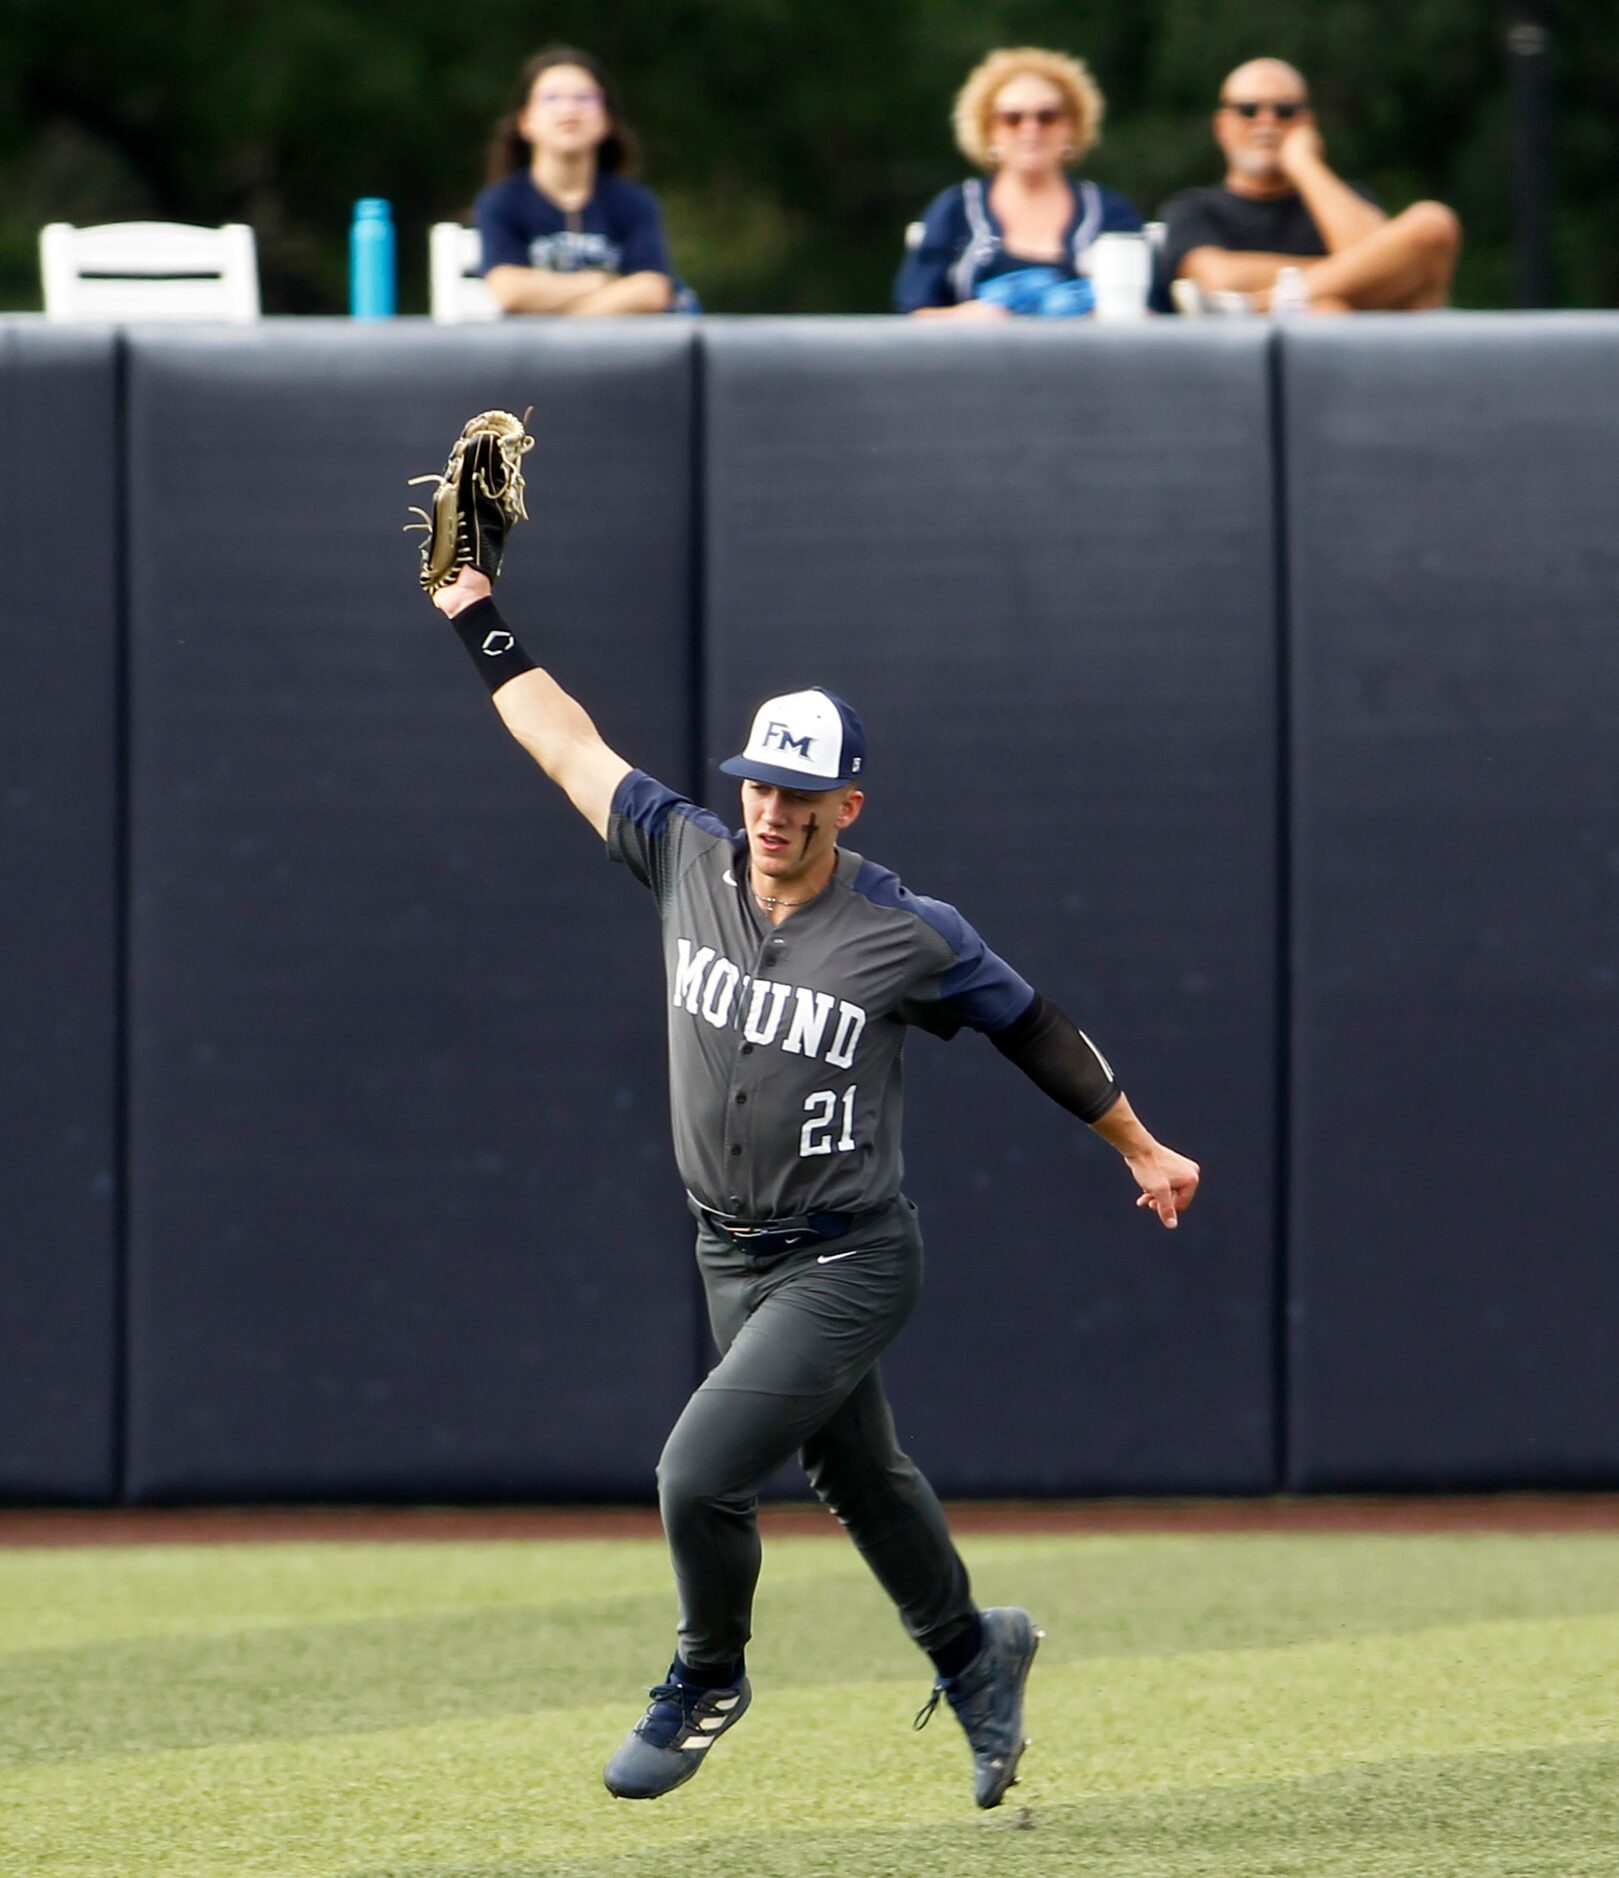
(467, 589)
(1167, 1181)
(477, 499)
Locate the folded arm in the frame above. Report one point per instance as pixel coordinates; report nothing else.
(591, 290)
(1235, 270)
(542, 289)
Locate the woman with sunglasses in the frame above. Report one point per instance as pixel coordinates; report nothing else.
(564, 229)
(1016, 242)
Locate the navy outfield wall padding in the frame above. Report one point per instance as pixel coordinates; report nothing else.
(1455, 590)
(1040, 561)
(404, 1220)
(59, 914)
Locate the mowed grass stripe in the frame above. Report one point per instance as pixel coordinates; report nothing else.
(477, 1632)
(523, 1794)
(73, 1596)
(1535, 1814)
(1138, 1592)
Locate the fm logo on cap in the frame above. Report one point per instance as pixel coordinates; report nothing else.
(777, 735)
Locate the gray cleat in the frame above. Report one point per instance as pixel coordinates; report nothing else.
(667, 1745)
(988, 1699)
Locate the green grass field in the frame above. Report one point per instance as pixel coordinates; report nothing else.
(1407, 1707)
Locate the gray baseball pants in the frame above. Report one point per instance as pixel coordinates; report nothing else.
(800, 1335)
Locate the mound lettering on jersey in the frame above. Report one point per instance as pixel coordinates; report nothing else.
(785, 1071)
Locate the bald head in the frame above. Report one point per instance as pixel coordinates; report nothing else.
(1259, 104)
(1271, 78)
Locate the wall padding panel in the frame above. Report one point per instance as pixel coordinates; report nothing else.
(59, 819)
(1041, 563)
(404, 1220)
(1455, 592)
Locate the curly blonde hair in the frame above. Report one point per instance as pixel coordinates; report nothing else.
(976, 100)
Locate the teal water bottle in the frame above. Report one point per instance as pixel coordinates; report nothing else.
(371, 260)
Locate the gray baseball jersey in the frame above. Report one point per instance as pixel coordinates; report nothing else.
(784, 1042)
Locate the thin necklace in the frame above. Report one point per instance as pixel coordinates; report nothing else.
(775, 899)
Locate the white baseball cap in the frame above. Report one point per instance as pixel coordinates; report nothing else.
(803, 740)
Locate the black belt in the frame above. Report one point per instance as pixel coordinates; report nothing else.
(759, 1236)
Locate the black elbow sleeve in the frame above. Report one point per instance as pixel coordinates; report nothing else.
(1059, 1058)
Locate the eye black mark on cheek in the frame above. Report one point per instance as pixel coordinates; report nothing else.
(810, 828)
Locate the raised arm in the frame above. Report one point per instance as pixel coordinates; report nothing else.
(552, 726)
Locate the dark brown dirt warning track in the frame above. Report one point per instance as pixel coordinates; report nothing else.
(1480, 1513)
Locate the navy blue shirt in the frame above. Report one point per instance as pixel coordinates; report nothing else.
(962, 246)
(618, 229)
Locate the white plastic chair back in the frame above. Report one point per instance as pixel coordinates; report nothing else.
(149, 271)
(456, 292)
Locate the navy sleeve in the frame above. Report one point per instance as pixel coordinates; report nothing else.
(981, 989)
(650, 828)
(924, 275)
(970, 985)
(505, 240)
(644, 249)
(1120, 216)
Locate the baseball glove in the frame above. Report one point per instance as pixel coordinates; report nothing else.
(479, 498)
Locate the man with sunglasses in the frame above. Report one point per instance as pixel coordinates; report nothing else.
(1282, 205)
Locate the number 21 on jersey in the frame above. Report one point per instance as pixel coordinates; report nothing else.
(822, 1108)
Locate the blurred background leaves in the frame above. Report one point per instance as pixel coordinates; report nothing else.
(790, 143)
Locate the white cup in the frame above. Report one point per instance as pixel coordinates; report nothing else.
(1121, 274)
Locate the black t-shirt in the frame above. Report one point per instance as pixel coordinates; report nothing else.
(1218, 217)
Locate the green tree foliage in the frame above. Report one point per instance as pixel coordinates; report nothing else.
(790, 143)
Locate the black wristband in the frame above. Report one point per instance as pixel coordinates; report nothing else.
(492, 644)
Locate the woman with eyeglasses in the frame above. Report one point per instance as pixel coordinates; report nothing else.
(1015, 240)
(564, 229)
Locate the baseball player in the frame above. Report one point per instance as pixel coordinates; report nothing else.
(794, 969)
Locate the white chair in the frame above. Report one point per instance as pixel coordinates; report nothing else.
(149, 270)
(456, 292)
